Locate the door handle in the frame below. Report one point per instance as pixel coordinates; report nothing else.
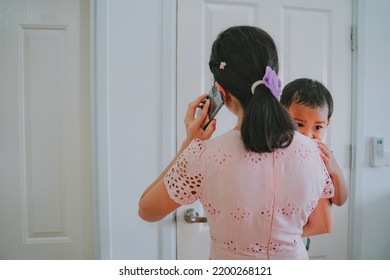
(191, 216)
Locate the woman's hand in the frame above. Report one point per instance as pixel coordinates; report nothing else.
(194, 123)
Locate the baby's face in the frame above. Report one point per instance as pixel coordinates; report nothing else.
(311, 122)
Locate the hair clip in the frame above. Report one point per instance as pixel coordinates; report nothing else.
(222, 65)
(271, 81)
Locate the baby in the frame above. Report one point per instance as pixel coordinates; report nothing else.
(310, 104)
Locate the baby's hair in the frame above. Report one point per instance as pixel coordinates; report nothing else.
(307, 92)
(239, 57)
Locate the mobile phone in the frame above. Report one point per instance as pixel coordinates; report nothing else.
(216, 103)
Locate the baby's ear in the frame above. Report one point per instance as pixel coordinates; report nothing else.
(328, 123)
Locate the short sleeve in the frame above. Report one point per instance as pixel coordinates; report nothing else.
(328, 191)
(184, 180)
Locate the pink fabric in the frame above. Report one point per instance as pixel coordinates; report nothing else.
(256, 204)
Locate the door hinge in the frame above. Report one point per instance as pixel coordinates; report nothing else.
(353, 38)
(351, 156)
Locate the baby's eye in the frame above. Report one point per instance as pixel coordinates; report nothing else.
(299, 124)
(318, 127)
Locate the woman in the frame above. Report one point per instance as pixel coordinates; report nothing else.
(260, 181)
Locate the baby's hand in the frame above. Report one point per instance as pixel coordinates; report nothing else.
(339, 182)
(329, 158)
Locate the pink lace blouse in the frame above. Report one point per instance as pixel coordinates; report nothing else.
(257, 203)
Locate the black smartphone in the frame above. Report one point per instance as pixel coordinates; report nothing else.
(216, 103)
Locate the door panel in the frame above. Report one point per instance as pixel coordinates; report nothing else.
(45, 186)
(313, 41)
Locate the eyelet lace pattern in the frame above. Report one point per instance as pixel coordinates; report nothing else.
(220, 158)
(240, 213)
(185, 178)
(185, 182)
(256, 160)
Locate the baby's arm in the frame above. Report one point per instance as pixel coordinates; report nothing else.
(339, 182)
(320, 220)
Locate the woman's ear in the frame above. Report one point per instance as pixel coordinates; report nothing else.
(222, 90)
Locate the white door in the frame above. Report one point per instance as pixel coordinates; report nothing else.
(313, 39)
(45, 185)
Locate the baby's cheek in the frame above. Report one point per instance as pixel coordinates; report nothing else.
(302, 131)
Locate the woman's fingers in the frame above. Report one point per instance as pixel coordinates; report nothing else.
(201, 102)
(193, 105)
(210, 129)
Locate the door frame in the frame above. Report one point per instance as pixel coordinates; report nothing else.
(99, 128)
(100, 123)
(357, 131)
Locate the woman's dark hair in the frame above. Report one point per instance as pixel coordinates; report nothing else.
(247, 51)
(307, 92)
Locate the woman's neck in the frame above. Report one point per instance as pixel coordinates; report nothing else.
(234, 107)
(240, 117)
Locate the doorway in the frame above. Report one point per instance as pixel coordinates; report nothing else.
(313, 38)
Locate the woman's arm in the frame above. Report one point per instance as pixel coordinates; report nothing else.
(320, 220)
(155, 202)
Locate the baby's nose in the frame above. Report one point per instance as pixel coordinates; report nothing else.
(307, 132)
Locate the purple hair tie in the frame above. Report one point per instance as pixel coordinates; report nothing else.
(271, 81)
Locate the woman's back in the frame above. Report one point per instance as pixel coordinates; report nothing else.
(263, 199)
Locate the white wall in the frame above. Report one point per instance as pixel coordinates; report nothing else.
(372, 193)
(135, 67)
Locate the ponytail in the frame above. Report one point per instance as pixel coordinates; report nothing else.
(267, 125)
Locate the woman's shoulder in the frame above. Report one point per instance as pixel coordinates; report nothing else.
(302, 144)
(226, 141)
(300, 139)
(230, 138)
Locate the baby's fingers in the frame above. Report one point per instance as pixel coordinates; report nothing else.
(324, 149)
